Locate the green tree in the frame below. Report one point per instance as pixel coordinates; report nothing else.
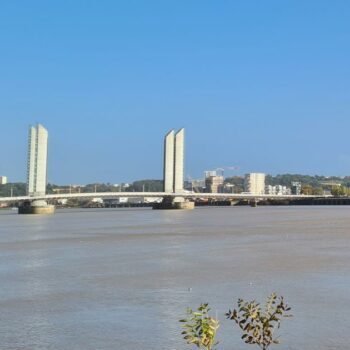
(306, 189)
(339, 191)
(147, 186)
(16, 189)
(259, 324)
(200, 328)
(318, 191)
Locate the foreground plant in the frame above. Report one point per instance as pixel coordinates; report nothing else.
(200, 328)
(259, 325)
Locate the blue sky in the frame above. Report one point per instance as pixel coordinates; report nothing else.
(263, 85)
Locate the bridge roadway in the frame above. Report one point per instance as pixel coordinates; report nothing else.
(185, 195)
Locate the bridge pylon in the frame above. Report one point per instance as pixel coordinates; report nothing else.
(173, 169)
(37, 172)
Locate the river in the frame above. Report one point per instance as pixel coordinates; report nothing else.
(106, 279)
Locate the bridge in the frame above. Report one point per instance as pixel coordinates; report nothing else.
(182, 195)
(173, 197)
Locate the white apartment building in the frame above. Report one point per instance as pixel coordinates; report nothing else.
(254, 183)
(278, 190)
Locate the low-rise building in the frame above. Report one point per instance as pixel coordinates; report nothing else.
(195, 185)
(296, 188)
(214, 184)
(277, 190)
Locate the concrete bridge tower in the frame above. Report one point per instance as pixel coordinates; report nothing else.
(169, 159)
(37, 161)
(37, 172)
(174, 160)
(179, 166)
(174, 148)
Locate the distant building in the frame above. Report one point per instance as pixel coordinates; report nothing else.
(277, 190)
(3, 180)
(209, 173)
(228, 188)
(213, 183)
(296, 188)
(195, 185)
(254, 183)
(37, 161)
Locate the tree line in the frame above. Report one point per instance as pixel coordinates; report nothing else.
(316, 185)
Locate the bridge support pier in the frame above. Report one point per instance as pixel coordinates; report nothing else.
(253, 203)
(174, 203)
(36, 207)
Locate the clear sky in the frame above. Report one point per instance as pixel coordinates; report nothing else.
(263, 85)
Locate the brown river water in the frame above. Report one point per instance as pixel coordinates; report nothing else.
(85, 279)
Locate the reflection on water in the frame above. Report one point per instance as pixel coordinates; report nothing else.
(121, 279)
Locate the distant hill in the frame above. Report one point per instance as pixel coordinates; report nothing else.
(311, 183)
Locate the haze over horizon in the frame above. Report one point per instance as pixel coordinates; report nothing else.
(263, 86)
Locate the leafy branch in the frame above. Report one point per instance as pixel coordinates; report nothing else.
(200, 328)
(258, 324)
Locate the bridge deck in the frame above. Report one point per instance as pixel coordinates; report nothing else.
(186, 195)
